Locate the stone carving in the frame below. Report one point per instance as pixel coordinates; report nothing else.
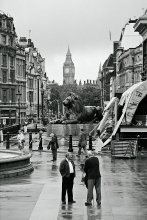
(76, 112)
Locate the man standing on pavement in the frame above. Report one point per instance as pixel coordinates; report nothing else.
(53, 144)
(92, 171)
(67, 170)
(82, 142)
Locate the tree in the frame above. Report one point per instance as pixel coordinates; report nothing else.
(88, 95)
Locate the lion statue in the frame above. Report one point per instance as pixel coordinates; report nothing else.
(75, 111)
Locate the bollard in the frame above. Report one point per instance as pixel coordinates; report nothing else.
(40, 140)
(8, 141)
(30, 140)
(90, 142)
(1, 136)
(36, 128)
(70, 149)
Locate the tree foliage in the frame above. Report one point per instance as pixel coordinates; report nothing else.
(88, 95)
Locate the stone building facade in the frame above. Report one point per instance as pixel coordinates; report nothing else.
(128, 58)
(22, 76)
(106, 74)
(128, 68)
(124, 67)
(10, 79)
(141, 27)
(35, 79)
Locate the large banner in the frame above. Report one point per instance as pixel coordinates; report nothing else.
(137, 95)
(131, 99)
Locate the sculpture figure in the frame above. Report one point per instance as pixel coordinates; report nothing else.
(75, 111)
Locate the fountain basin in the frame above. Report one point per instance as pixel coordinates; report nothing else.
(69, 129)
(13, 164)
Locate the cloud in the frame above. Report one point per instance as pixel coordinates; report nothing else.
(83, 24)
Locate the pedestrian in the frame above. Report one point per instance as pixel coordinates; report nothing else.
(53, 144)
(20, 139)
(92, 171)
(25, 127)
(99, 143)
(56, 140)
(40, 140)
(67, 171)
(82, 142)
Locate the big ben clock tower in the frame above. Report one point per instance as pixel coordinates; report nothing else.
(68, 70)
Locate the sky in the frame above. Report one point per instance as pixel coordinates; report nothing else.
(84, 25)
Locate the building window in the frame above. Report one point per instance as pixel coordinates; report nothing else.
(4, 60)
(4, 74)
(4, 39)
(4, 95)
(17, 69)
(31, 84)
(20, 67)
(24, 68)
(35, 84)
(11, 41)
(30, 94)
(12, 76)
(11, 61)
(3, 23)
(13, 95)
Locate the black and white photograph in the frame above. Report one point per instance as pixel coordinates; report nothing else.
(73, 110)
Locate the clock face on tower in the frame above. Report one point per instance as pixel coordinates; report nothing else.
(66, 70)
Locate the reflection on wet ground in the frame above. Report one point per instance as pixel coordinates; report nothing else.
(124, 190)
(71, 212)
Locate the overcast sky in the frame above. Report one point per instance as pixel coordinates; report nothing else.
(84, 25)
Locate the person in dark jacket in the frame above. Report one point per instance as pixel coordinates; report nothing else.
(67, 171)
(92, 171)
(53, 144)
(82, 142)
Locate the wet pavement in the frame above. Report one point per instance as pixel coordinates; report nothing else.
(37, 196)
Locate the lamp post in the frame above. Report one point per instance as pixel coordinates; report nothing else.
(19, 94)
(42, 95)
(10, 113)
(1, 127)
(30, 104)
(58, 109)
(38, 98)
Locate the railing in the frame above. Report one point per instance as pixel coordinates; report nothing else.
(94, 130)
(124, 148)
(10, 140)
(13, 104)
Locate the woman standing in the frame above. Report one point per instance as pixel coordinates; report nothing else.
(21, 139)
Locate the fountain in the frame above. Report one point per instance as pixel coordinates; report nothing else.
(14, 164)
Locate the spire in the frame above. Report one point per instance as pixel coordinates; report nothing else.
(99, 72)
(68, 52)
(68, 56)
